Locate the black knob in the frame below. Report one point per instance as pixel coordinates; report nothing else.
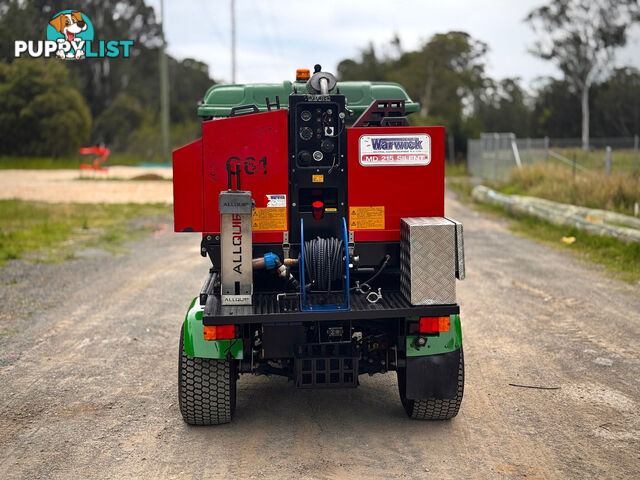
(327, 146)
(306, 133)
(317, 68)
(304, 158)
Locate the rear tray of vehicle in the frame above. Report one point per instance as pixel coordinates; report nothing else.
(268, 308)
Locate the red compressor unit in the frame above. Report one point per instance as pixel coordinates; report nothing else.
(330, 253)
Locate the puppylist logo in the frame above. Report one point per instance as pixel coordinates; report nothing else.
(70, 37)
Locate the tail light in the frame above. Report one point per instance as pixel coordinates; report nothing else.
(434, 324)
(219, 332)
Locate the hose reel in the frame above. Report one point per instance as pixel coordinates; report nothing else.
(324, 261)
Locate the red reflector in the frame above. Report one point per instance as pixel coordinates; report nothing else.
(226, 332)
(219, 332)
(434, 324)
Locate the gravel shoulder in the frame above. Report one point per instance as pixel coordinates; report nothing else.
(88, 360)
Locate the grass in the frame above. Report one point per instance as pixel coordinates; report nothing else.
(73, 162)
(616, 192)
(53, 232)
(621, 259)
(455, 169)
(622, 160)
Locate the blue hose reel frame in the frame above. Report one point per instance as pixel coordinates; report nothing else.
(346, 304)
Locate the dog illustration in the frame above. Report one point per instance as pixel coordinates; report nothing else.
(69, 25)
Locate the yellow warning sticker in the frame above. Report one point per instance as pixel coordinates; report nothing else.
(272, 218)
(366, 218)
(317, 178)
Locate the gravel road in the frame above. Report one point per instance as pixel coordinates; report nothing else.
(88, 355)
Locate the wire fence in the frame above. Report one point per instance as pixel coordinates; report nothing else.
(494, 155)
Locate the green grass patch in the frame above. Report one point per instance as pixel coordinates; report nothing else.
(616, 192)
(455, 170)
(70, 163)
(622, 160)
(621, 259)
(618, 257)
(41, 231)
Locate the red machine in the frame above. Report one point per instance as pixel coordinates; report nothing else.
(330, 253)
(258, 143)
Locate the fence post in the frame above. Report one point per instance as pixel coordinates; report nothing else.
(546, 149)
(635, 154)
(452, 153)
(607, 161)
(496, 147)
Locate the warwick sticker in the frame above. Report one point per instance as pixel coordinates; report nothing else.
(401, 149)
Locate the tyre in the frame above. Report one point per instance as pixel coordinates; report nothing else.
(206, 388)
(433, 408)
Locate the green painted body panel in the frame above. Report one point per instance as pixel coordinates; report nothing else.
(196, 346)
(220, 99)
(443, 342)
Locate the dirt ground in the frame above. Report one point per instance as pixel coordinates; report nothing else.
(88, 366)
(88, 186)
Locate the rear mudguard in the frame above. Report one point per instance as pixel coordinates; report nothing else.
(196, 346)
(432, 371)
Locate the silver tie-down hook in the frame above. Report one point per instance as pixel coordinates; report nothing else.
(371, 295)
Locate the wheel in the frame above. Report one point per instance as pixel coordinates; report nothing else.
(206, 388)
(433, 408)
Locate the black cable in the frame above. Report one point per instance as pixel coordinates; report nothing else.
(324, 262)
(375, 275)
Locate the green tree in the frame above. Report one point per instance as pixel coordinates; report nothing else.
(118, 120)
(503, 107)
(106, 82)
(580, 37)
(41, 113)
(616, 104)
(445, 75)
(556, 111)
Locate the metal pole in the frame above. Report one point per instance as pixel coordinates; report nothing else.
(452, 154)
(607, 160)
(546, 149)
(635, 154)
(164, 91)
(233, 41)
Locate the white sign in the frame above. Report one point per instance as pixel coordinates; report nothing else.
(276, 200)
(397, 149)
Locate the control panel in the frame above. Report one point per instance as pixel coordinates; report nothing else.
(317, 130)
(317, 164)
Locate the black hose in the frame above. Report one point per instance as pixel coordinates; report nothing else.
(324, 262)
(375, 275)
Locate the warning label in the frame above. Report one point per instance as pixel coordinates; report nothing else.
(272, 218)
(317, 178)
(366, 218)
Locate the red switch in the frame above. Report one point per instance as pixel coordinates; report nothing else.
(318, 209)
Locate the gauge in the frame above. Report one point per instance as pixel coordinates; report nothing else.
(305, 115)
(306, 133)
